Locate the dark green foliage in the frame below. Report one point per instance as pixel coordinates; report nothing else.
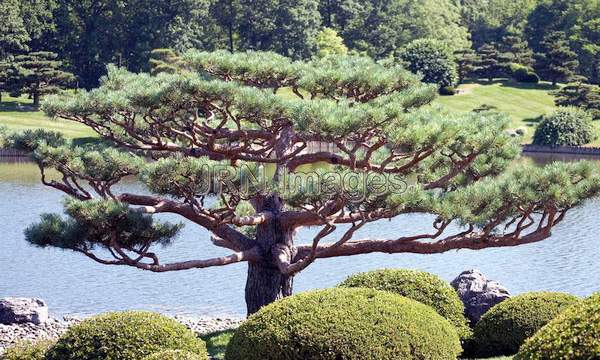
(175, 355)
(37, 74)
(125, 336)
(523, 74)
(163, 60)
(566, 126)
(13, 36)
(432, 59)
(517, 51)
(29, 140)
(421, 286)
(574, 334)
(288, 27)
(447, 90)
(345, 324)
(466, 60)
(27, 350)
(491, 63)
(504, 328)
(100, 223)
(556, 62)
(581, 95)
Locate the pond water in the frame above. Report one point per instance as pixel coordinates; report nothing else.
(73, 284)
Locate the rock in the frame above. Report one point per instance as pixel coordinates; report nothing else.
(23, 310)
(478, 293)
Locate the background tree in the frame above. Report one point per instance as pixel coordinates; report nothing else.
(557, 62)
(14, 36)
(329, 43)
(581, 95)
(237, 127)
(432, 59)
(226, 13)
(517, 50)
(163, 60)
(37, 74)
(491, 63)
(466, 63)
(283, 26)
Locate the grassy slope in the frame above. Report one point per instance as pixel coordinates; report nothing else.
(18, 114)
(524, 103)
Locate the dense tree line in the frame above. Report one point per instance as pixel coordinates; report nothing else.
(89, 34)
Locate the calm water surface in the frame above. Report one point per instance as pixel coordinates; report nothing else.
(71, 283)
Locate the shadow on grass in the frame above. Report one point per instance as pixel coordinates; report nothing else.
(506, 82)
(533, 121)
(16, 106)
(216, 343)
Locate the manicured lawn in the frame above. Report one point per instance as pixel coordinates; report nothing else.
(18, 114)
(217, 343)
(524, 103)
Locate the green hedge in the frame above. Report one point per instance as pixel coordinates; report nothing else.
(421, 286)
(125, 336)
(566, 126)
(504, 328)
(27, 350)
(174, 355)
(345, 324)
(574, 334)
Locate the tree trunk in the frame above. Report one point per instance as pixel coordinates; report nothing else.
(265, 283)
(36, 99)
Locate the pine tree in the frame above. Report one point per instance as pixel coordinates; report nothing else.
(163, 60)
(557, 62)
(466, 63)
(491, 63)
(37, 74)
(517, 50)
(580, 94)
(229, 139)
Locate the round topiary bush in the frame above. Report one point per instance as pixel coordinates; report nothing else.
(504, 328)
(566, 126)
(432, 59)
(174, 355)
(421, 286)
(27, 350)
(524, 74)
(125, 336)
(345, 324)
(574, 334)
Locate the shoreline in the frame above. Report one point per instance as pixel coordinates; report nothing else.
(56, 326)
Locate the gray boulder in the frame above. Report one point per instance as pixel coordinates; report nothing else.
(23, 310)
(478, 293)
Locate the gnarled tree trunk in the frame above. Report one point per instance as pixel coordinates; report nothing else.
(265, 282)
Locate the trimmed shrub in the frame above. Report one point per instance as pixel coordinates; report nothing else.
(566, 126)
(128, 335)
(504, 328)
(27, 350)
(175, 355)
(421, 286)
(447, 90)
(574, 334)
(524, 74)
(345, 324)
(432, 59)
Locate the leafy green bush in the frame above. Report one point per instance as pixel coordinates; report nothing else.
(174, 355)
(504, 328)
(447, 90)
(420, 286)
(574, 334)
(125, 336)
(432, 59)
(27, 350)
(566, 126)
(345, 324)
(524, 74)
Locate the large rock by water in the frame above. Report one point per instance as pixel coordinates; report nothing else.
(478, 293)
(23, 310)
